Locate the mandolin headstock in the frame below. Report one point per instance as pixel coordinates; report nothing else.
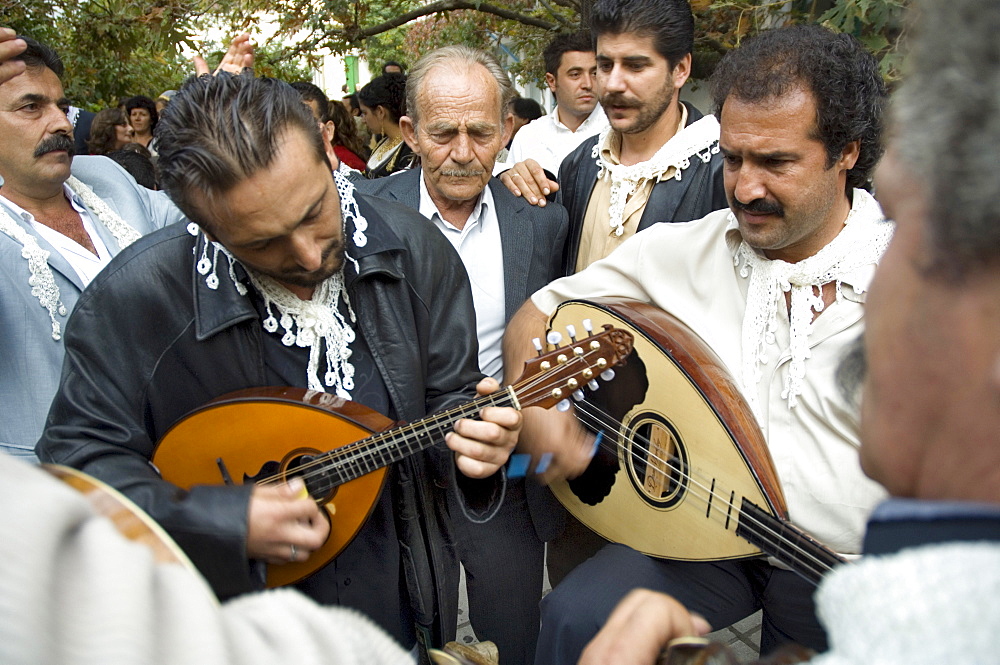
(553, 378)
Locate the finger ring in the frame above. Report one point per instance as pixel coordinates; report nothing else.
(295, 552)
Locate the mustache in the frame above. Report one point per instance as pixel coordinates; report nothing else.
(54, 143)
(462, 173)
(759, 206)
(619, 99)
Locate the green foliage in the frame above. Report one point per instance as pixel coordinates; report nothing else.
(114, 48)
(878, 24)
(111, 48)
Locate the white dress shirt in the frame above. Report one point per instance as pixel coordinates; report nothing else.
(84, 262)
(547, 140)
(478, 243)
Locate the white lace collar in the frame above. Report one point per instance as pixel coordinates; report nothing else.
(858, 246)
(699, 139)
(42, 282)
(313, 323)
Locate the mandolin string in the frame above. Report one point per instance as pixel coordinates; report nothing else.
(601, 419)
(759, 529)
(762, 530)
(528, 391)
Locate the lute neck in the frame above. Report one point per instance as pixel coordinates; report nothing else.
(786, 543)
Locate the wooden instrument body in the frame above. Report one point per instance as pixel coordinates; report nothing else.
(271, 429)
(130, 520)
(693, 410)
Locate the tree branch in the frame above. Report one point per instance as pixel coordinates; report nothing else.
(353, 33)
(557, 16)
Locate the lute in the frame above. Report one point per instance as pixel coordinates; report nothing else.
(683, 472)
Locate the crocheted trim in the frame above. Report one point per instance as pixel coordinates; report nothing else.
(123, 233)
(304, 323)
(308, 323)
(699, 139)
(42, 281)
(860, 244)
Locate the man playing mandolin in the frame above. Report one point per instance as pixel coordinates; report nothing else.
(775, 287)
(288, 278)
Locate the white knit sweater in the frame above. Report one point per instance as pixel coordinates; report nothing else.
(72, 590)
(930, 605)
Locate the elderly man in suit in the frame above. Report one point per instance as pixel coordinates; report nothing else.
(456, 99)
(61, 221)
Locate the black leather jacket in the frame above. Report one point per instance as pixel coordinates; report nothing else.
(695, 195)
(149, 342)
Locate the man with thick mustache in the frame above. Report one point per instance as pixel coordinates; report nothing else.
(456, 100)
(775, 286)
(658, 161)
(61, 220)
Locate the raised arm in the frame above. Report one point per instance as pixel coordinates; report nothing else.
(238, 57)
(10, 46)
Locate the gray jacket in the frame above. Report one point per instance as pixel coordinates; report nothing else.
(32, 360)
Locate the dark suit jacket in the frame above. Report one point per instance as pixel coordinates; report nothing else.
(532, 241)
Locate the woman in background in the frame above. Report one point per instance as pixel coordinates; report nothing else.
(383, 103)
(350, 148)
(109, 131)
(143, 117)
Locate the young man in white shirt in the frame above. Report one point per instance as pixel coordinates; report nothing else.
(570, 72)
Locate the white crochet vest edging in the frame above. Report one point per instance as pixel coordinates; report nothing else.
(699, 140)
(860, 244)
(303, 323)
(41, 280)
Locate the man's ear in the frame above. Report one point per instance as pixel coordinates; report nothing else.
(409, 131)
(508, 129)
(681, 72)
(849, 157)
(327, 129)
(550, 80)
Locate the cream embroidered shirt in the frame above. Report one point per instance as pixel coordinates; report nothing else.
(596, 241)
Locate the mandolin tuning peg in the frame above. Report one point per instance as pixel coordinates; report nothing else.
(593, 385)
(571, 331)
(608, 374)
(554, 337)
(588, 326)
(538, 345)
(578, 395)
(563, 405)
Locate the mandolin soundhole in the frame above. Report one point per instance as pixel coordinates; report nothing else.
(656, 460)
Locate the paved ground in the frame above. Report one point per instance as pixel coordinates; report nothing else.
(743, 637)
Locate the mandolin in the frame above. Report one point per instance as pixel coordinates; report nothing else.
(682, 456)
(341, 449)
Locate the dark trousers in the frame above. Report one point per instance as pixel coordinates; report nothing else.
(723, 592)
(504, 568)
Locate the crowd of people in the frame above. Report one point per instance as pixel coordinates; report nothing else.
(398, 257)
